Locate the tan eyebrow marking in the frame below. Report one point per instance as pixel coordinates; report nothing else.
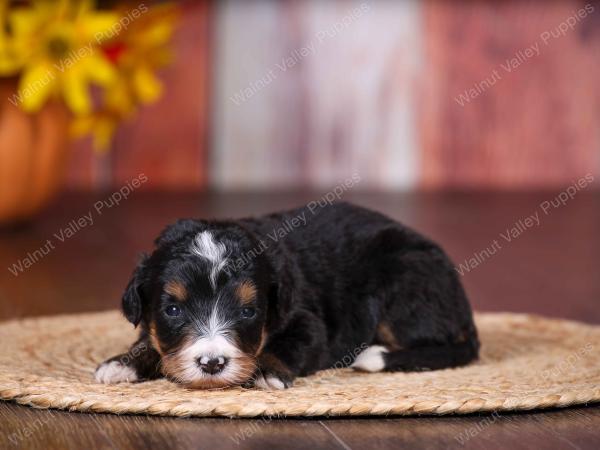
(246, 292)
(177, 290)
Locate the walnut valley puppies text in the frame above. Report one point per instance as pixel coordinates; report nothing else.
(523, 224)
(121, 195)
(74, 226)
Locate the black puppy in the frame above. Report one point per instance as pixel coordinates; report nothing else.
(260, 301)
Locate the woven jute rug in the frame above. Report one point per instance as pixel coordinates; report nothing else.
(527, 362)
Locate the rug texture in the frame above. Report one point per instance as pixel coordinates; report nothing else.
(526, 362)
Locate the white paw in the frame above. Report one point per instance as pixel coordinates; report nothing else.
(115, 372)
(270, 382)
(370, 359)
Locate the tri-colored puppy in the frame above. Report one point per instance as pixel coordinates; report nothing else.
(260, 301)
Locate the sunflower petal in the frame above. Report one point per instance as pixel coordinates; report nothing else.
(35, 86)
(118, 97)
(76, 93)
(99, 70)
(24, 22)
(147, 86)
(159, 33)
(100, 27)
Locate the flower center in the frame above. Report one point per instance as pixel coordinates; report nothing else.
(58, 47)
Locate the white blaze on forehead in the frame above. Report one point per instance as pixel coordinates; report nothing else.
(204, 245)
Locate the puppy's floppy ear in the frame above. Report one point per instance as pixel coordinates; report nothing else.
(133, 298)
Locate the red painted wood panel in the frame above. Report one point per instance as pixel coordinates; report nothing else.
(532, 124)
(80, 172)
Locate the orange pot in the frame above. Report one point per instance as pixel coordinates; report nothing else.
(33, 155)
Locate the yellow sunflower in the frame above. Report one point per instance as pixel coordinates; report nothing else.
(145, 49)
(57, 43)
(136, 53)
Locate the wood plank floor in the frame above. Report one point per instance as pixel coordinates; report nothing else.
(550, 268)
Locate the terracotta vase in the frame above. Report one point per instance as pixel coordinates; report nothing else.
(33, 155)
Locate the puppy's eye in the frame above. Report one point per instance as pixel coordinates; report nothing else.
(248, 313)
(172, 310)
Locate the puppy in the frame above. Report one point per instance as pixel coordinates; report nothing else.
(260, 301)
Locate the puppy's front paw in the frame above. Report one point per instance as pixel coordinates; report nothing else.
(271, 373)
(113, 371)
(269, 382)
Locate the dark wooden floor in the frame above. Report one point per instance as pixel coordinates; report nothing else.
(551, 268)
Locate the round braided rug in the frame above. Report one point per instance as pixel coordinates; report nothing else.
(527, 362)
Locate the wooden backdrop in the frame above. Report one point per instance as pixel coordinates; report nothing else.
(409, 94)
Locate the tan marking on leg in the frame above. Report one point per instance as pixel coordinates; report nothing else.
(386, 336)
(177, 290)
(154, 339)
(263, 341)
(246, 292)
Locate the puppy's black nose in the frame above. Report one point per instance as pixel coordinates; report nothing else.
(212, 365)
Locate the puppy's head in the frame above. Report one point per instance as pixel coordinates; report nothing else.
(205, 319)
